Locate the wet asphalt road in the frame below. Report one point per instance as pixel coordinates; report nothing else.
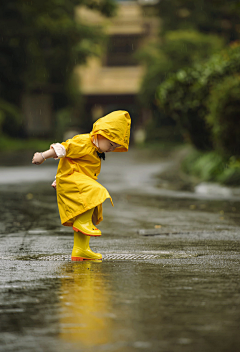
(175, 291)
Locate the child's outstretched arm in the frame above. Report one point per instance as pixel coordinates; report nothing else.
(39, 158)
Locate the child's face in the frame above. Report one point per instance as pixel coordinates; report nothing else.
(105, 145)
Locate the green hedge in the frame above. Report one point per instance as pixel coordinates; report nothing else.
(184, 96)
(206, 166)
(9, 144)
(224, 115)
(212, 167)
(176, 50)
(10, 119)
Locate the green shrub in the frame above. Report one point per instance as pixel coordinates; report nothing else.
(184, 95)
(212, 167)
(10, 119)
(231, 174)
(206, 166)
(184, 47)
(9, 144)
(224, 115)
(176, 50)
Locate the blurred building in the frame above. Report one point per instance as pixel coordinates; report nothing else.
(113, 81)
(108, 82)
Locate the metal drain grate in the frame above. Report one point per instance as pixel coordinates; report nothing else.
(112, 256)
(129, 256)
(105, 257)
(55, 257)
(58, 257)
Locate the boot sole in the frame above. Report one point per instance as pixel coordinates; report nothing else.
(87, 234)
(81, 259)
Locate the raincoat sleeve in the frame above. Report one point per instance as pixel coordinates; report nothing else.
(76, 147)
(59, 150)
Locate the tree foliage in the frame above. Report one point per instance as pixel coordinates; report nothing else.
(41, 43)
(176, 50)
(187, 35)
(206, 16)
(185, 95)
(224, 115)
(191, 31)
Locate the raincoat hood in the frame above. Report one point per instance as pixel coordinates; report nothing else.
(115, 127)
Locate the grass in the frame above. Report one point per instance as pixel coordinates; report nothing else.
(8, 144)
(212, 167)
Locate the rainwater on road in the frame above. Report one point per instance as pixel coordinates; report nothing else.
(169, 279)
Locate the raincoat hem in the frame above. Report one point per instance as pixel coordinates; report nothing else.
(67, 221)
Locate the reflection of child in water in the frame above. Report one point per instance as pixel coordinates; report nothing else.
(79, 195)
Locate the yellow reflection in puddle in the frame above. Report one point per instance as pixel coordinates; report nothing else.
(85, 312)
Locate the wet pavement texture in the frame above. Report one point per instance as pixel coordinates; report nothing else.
(169, 279)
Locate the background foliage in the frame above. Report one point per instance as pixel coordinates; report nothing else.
(219, 17)
(204, 101)
(224, 114)
(192, 83)
(40, 44)
(184, 96)
(177, 49)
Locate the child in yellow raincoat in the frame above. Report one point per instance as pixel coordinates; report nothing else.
(79, 195)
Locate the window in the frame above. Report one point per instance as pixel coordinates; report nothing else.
(121, 50)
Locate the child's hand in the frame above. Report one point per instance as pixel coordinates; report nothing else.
(54, 184)
(37, 159)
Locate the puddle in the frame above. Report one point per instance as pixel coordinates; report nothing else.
(37, 232)
(217, 189)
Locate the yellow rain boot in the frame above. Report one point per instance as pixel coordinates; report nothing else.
(83, 223)
(81, 250)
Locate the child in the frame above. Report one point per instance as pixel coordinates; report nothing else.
(79, 195)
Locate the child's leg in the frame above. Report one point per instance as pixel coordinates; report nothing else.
(83, 229)
(81, 250)
(95, 216)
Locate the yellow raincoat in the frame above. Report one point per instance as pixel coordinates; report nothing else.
(77, 188)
